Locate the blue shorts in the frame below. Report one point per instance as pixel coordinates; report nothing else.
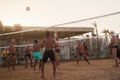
(37, 55)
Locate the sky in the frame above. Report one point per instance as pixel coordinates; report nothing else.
(52, 12)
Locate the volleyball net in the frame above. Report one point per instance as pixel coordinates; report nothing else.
(97, 47)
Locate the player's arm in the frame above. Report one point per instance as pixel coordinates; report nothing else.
(43, 44)
(54, 43)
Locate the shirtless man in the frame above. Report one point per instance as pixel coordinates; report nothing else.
(81, 52)
(49, 44)
(12, 55)
(28, 56)
(118, 50)
(36, 53)
(57, 51)
(113, 43)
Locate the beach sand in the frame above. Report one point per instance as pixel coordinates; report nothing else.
(97, 70)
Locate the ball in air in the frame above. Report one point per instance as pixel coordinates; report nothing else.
(27, 8)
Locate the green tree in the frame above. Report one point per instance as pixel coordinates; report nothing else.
(7, 29)
(1, 27)
(105, 31)
(17, 27)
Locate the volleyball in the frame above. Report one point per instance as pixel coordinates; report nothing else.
(27, 8)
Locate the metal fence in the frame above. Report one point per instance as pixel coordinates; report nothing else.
(97, 48)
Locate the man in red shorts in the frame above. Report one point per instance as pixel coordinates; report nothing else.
(28, 56)
(12, 55)
(81, 52)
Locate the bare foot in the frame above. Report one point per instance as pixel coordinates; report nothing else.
(115, 65)
(31, 65)
(26, 67)
(42, 76)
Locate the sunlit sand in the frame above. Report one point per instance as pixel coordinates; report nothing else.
(97, 70)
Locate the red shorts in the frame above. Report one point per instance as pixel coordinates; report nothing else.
(85, 52)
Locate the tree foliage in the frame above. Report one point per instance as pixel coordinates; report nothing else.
(17, 27)
(7, 29)
(1, 27)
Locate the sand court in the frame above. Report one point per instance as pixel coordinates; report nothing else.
(97, 70)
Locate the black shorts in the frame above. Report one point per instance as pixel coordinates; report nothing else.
(4, 58)
(48, 54)
(118, 54)
(81, 54)
(115, 46)
(57, 50)
(28, 55)
(11, 54)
